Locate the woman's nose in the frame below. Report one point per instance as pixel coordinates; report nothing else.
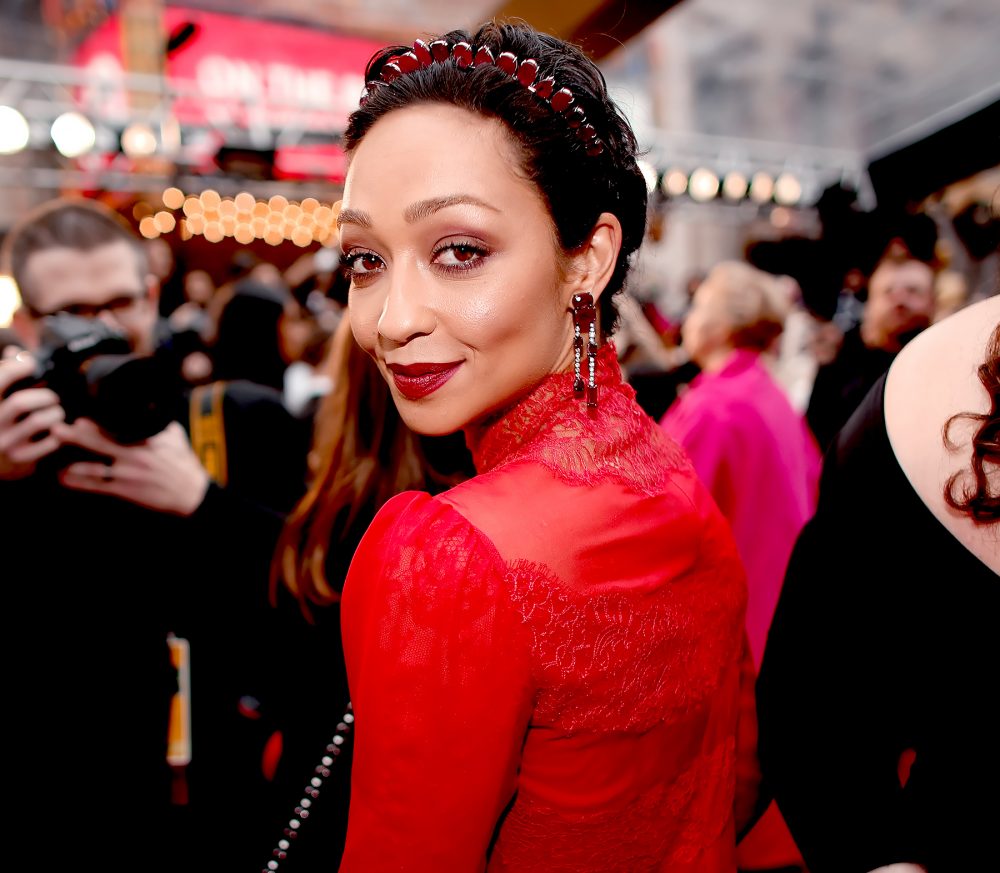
(407, 311)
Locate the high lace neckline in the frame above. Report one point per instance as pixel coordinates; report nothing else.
(582, 445)
(500, 438)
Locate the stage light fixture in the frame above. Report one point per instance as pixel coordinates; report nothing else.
(674, 182)
(649, 174)
(734, 185)
(761, 187)
(14, 131)
(138, 140)
(787, 190)
(73, 134)
(703, 185)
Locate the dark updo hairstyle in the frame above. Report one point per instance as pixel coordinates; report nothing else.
(577, 187)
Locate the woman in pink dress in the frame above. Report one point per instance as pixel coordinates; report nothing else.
(757, 456)
(546, 661)
(748, 444)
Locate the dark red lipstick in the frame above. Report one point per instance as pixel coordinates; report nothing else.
(418, 380)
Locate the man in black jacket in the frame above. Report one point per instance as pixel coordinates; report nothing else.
(900, 304)
(116, 538)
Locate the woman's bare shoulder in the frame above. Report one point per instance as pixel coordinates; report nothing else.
(932, 379)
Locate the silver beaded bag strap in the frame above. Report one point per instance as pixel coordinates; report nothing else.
(311, 791)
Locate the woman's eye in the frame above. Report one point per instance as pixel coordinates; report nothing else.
(459, 255)
(361, 263)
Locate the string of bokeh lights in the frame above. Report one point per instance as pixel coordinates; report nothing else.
(242, 217)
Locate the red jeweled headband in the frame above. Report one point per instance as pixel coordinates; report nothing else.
(561, 100)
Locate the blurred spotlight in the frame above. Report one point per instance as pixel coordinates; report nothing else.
(14, 132)
(73, 134)
(780, 217)
(734, 186)
(9, 300)
(674, 183)
(147, 227)
(138, 140)
(649, 174)
(787, 190)
(704, 185)
(761, 187)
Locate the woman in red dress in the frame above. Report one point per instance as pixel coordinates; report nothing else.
(546, 660)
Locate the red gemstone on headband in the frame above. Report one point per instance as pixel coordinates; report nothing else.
(595, 148)
(439, 50)
(422, 52)
(544, 88)
(391, 71)
(527, 71)
(562, 99)
(586, 132)
(483, 56)
(462, 53)
(507, 62)
(408, 63)
(576, 117)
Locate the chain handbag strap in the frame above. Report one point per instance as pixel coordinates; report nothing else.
(311, 791)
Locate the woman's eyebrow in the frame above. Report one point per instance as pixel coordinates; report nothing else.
(354, 216)
(423, 208)
(416, 211)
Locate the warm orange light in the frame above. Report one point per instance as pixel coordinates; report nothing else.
(164, 222)
(210, 199)
(173, 198)
(245, 201)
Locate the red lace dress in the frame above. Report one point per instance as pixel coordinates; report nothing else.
(545, 660)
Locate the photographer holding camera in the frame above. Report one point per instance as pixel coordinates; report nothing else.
(115, 538)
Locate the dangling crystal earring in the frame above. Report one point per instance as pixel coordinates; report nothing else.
(585, 321)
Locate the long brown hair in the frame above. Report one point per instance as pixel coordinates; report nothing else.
(362, 454)
(969, 490)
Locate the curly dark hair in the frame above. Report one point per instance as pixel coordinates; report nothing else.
(577, 188)
(970, 491)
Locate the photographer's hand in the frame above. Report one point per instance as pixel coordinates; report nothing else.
(163, 473)
(27, 421)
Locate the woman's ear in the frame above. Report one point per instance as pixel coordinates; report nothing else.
(593, 263)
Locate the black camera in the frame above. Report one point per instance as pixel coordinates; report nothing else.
(92, 369)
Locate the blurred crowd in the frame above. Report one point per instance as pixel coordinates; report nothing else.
(258, 409)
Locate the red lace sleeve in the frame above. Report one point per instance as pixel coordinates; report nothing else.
(442, 691)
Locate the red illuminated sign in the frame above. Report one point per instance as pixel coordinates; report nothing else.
(268, 82)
